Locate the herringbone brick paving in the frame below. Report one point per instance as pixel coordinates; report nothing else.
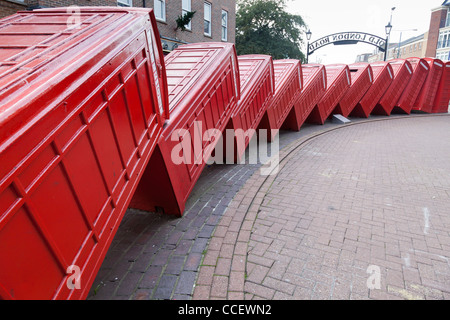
(375, 195)
(370, 195)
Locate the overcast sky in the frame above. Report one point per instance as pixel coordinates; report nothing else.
(330, 16)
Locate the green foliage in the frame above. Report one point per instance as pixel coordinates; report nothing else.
(265, 27)
(183, 20)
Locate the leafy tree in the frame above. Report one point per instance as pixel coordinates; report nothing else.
(265, 27)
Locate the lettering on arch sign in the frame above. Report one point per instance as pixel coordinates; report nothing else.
(343, 38)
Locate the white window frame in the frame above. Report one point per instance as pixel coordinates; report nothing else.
(444, 39)
(185, 10)
(162, 3)
(443, 55)
(447, 23)
(224, 26)
(125, 3)
(207, 18)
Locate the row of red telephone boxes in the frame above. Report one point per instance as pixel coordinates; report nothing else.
(274, 95)
(92, 117)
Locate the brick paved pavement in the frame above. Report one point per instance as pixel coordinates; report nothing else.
(155, 256)
(373, 195)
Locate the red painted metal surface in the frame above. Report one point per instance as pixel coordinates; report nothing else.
(402, 75)
(288, 85)
(412, 90)
(443, 94)
(425, 99)
(204, 88)
(314, 87)
(361, 78)
(81, 111)
(338, 82)
(383, 76)
(257, 88)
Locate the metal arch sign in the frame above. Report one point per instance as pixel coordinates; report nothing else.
(343, 38)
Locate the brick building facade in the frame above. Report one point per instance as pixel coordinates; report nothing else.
(10, 7)
(219, 15)
(443, 39)
(440, 21)
(213, 20)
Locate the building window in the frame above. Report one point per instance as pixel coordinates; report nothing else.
(207, 19)
(186, 7)
(125, 3)
(224, 25)
(444, 39)
(444, 56)
(160, 9)
(448, 18)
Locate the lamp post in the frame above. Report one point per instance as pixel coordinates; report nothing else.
(388, 29)
(308, 37)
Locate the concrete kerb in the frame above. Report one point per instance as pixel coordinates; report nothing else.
(243, 211)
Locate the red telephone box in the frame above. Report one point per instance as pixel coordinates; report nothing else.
(402, 75)
(315, 85)
(338, 82)
(288, 85)
(443, 93)
(82, 105)
(361, 80)
(257, 88)
(204, 89)
(427, 95)
(382, 79)
(409, 95)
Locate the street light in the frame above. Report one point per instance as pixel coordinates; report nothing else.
(388, 29)
(308, 37)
